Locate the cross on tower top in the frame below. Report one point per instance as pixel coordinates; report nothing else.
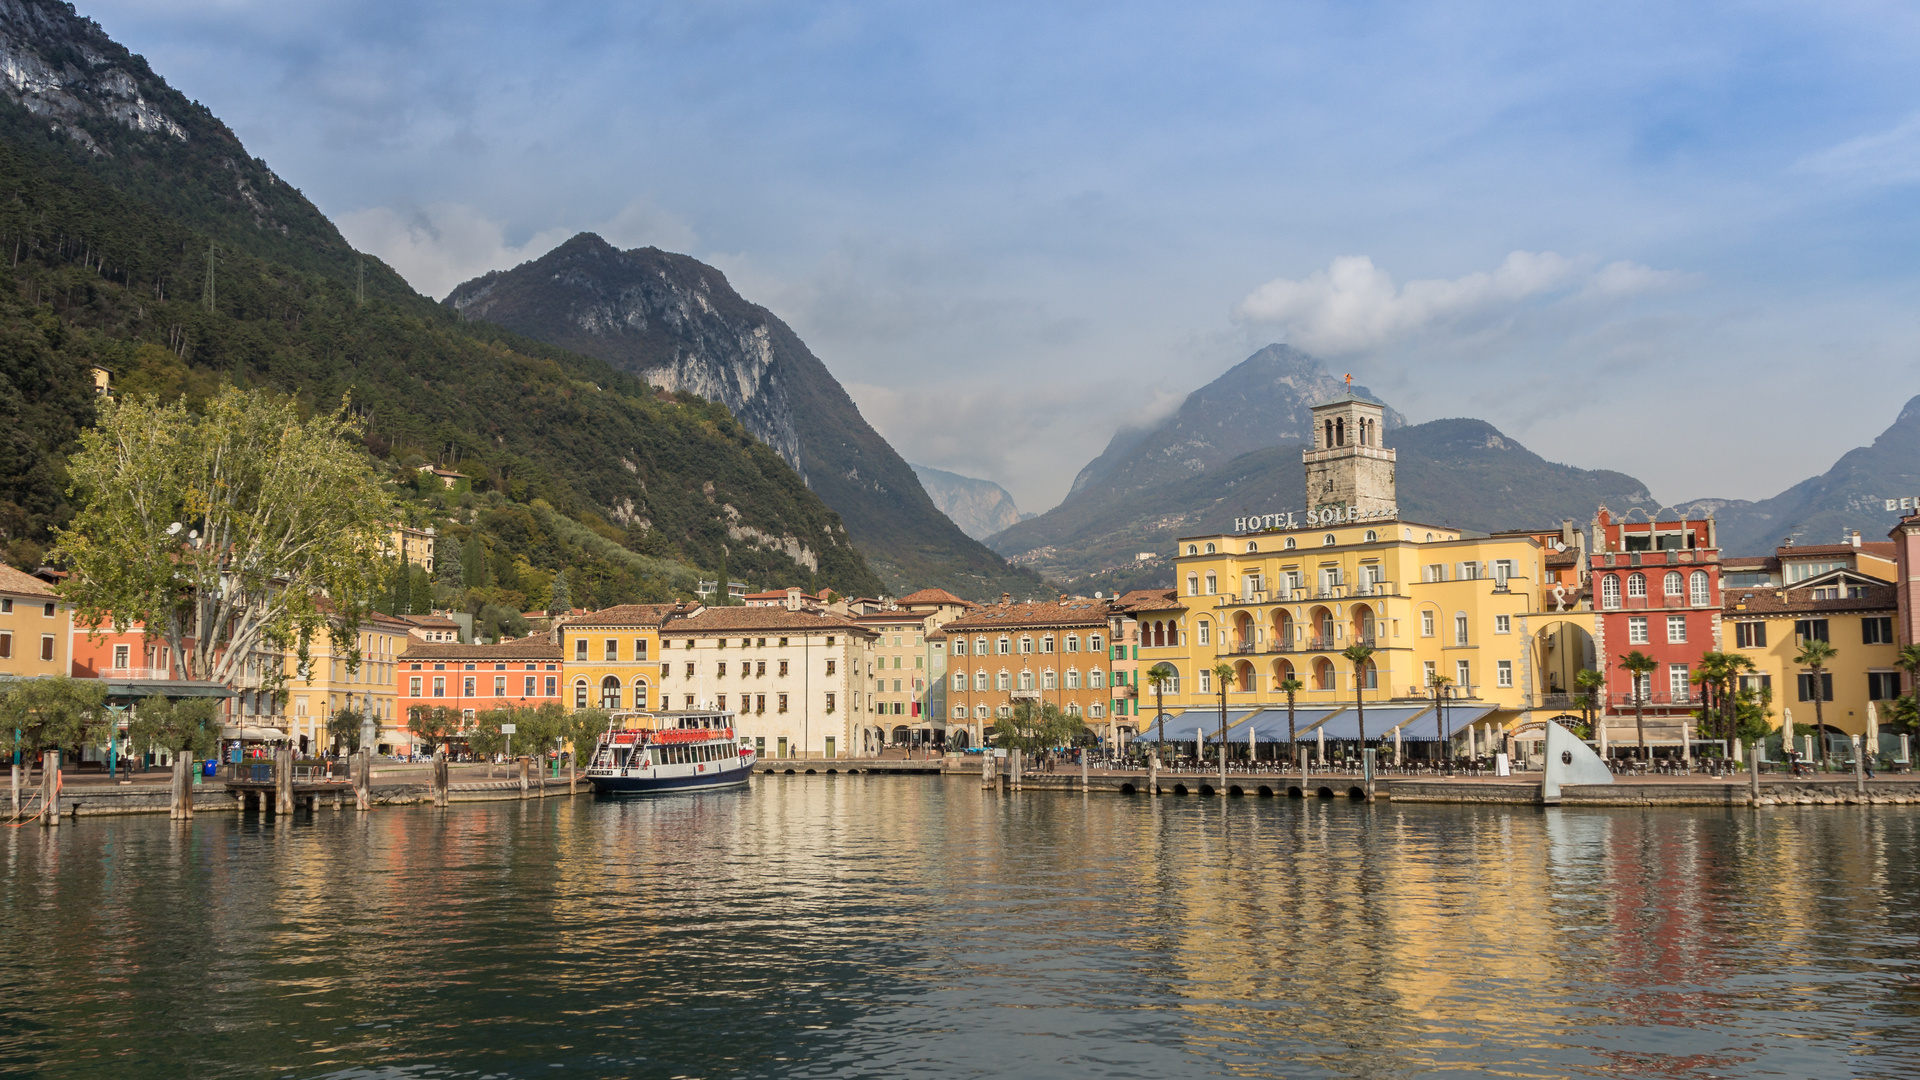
(1349, 384)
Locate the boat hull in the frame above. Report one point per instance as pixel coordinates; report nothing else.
(667, 785)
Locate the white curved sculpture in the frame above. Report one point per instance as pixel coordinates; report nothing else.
(1570, 761)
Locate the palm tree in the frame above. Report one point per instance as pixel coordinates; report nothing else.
(1737, 663)
(1909, 662)
(1711, 675)
(1815, 653)
(1291, 686)
(1359, 654)
(1439, 683)
(1223, 674)
(1637, 664)
(1158, 677)
(1589, 681)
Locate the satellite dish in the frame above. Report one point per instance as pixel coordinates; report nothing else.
(1098, 595)
(1558, 546)
(173, 529)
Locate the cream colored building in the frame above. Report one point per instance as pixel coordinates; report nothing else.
(797, 680)
(327, 683)
(35, 627)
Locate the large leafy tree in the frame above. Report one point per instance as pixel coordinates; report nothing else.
(60, 713)
(189, 727)
(1036, 727)
(219, 531)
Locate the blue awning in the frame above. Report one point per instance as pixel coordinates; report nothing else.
(1381, 720)
(1270, 725)
(1180, 726)
(1428, 729)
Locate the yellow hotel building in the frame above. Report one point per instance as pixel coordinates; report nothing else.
(612, 657)
(1285, 601)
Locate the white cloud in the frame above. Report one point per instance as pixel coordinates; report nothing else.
(1890, 156)
(438, 246)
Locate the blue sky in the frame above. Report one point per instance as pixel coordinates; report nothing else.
(1675, 240)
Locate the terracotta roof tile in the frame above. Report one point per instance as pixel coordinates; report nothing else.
(1768, 601)
(21, 584)
(1034, 614)
(527, 648)
(1881, 548)
(1147, 600)
(932, 596)
(714, 620)
(629, 615)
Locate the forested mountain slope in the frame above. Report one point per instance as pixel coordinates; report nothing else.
(140, 237)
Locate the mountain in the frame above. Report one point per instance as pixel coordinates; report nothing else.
(141, 237)
(678, 324)
(1820, 510)
(980, 507)
(1265, 398)
(1462, 473)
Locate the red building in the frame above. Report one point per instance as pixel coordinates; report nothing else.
(1656, 590)
(1906, 560)
(471, 679)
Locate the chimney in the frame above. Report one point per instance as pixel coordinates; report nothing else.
(1856, 538)
(1006, 598)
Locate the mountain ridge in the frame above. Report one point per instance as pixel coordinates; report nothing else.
(675, 321)
(980, 507)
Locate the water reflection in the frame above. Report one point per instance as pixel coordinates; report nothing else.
(901, 925)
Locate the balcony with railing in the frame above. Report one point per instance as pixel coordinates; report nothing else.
(137, 674)
(1684, 699)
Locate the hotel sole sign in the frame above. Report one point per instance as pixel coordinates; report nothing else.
(1317, 518)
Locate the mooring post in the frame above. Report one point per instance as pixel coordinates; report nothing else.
(1753, 773)
(986, 769)
(1367, 763)
(16, 789)
(526, 767)
(1083, 769)
(1153, 773)
(1859, 762)
(50, 788)
(283, 781)
(1015, 758)
(180, 789)
(440, 778)
(362, 780)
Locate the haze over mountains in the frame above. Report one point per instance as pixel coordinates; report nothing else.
(980, 507)
(677, 323)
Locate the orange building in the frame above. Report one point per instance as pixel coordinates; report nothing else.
(1050, 651)
(471, 679)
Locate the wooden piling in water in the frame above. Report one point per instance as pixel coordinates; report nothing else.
(283, 780)
(1753, 773)
(1083, 770)
(362, 767)
(440, 778)
(526, 767)
(1153, 773)
(1859, 761)
(50, 789)
(986, 769)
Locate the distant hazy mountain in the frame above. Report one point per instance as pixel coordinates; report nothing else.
(1850, 495)
(677, 323)
(1462, 473)
(980, 507)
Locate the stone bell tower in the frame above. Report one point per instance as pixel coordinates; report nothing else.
(1349, 473)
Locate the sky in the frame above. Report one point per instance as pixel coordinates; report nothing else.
(1677, 240)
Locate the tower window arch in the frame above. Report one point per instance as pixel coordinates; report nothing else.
(1610, 591)
(1671, 585)
(1636, 585)
(1327, 540)
(1290, 543)
(1698, 586)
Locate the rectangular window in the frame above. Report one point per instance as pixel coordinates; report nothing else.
(781, 702)
(689, 669)
(552, 686)
(720, 702)
(46, 647)
(722, 669)
(1426, 624)
(829, 702)
(830, 667)
(639, 649)
(760, 703)
(1503, 673)
(1469, 571)
(439, 686)
(1676, 629)
(466, 687)
(1876, 631)
(1810, 629)
(580, 649)
(1426, 673)
(1750, 635)
(527, 688)
(1807, 686)
(1206, 681)
(1636, 630)
(1462, 673)
(499, 686)
(121, 654)
(690, 707)
(612, 650)
(1460, 629)
(46, 609)
(1883, 685)
(1503, 624)
(1435, 572)
(1677, 682)
(6, 606)
(6, 646)
(1205, 629)
(413, 686)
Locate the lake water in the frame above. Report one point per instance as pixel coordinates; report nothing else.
(920, 927)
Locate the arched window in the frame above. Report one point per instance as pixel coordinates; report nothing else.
(1671, 584)
(1213, 583)
(1290, 544)
(1327, 540)
(1003, 681)
(1698, 587)
(1282, 671)
(1193, 549)
(1636, 585)
(1370, 675)
(1211, 549)
(1046, 643)
(1073, 678)
(1372, 536)
(1252, 547)
(1049, 681)
(610, 692)
(1073, 642)
(1323, 674)
(580, 693)
(639, 693)
(1193, 584)
(1610, 591)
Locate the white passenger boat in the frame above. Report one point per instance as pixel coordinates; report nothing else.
(653, 753)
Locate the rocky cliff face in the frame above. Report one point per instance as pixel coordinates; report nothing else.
(980, 507)
(678, 323)
(653, 313)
